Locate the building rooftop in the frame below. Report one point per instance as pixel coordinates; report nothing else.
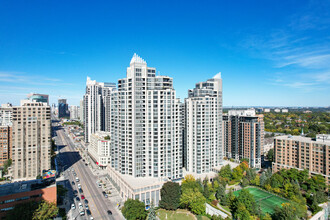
(26, 186)
(139, 182)
(304, 139)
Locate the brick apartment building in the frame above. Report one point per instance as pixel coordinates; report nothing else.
(303, 153)
(243, 136)
(15, 193)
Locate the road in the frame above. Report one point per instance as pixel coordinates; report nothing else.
(70, 158)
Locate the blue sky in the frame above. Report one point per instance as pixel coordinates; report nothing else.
(270, 53)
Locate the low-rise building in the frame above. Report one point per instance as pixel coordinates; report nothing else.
(15, 193)
(302, 153)
(145, 189)
(285, 110)
(99, 148)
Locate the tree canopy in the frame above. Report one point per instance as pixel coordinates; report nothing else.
(170, 196)
(134, 210)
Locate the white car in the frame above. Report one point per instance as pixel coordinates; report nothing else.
(79, 186)
(77, 179)
(80, 205)
(73, 206)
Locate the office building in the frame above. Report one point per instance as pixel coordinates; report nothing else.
(303, 153)
(38, 97)
(63, 109)
(149, 134)
(74, 112)
(12, 194)
(97, 107)
(99, 148)
(243, 136)
(31, 139)
(203, 135)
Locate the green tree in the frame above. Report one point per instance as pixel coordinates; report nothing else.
(242, 213)
(190, 182)
(206, 188)
(134, 209)
(33, 211)
(170, 194)
(285, 212)
(221, 195)
(46, 210)
(152, 213)
(225, 172)
(246, 198)
(193, 199)
(6, 165)
(270, 155)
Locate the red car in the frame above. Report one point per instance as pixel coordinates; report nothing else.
(82, 197)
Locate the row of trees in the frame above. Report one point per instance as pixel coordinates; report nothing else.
(292, 123)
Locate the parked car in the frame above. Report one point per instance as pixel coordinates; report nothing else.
(73, 206)
(109, 212)
(77, 179)
(82, 197)
(79, 186)
(86, 207)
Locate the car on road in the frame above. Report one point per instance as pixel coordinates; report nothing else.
(73, 206)
(82, 197)
(109, 212)
(105, 195)
(82, 212)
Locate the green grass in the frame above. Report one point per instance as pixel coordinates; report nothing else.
(267, 201)
(179, 214)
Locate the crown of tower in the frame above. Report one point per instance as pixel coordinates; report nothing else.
(137, 59)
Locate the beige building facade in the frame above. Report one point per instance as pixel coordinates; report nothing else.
(31, 139)
(99, 148)
(302, 153)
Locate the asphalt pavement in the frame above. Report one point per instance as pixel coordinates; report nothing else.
(98, 204)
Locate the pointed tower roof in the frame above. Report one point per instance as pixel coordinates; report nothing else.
(137, 59)
(217, 76)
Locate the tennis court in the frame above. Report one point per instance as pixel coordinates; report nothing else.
(267, 201)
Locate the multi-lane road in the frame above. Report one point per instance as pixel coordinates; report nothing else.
(99, 206)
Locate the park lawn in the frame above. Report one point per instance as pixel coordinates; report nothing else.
(267, 201)
(179, 214)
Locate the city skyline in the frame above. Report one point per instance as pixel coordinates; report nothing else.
(279, 60)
